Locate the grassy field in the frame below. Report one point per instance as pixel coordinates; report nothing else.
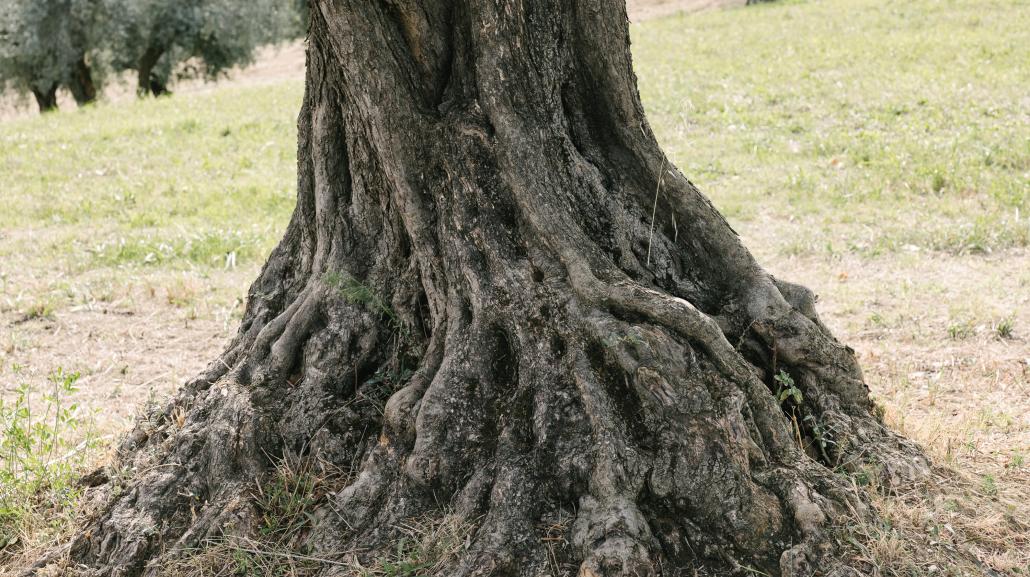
(876, 150)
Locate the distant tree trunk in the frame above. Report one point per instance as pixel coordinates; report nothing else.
(498, 300)
(158, 85)
(146, 82)
(81, 83)
(46, 98)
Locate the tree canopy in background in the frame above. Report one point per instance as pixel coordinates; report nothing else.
(211, 36)
(46, 44)
(49, 43)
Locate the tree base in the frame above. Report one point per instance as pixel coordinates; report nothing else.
(489, 308)
(691, 465)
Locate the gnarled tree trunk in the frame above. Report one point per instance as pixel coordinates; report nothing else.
(496, 299)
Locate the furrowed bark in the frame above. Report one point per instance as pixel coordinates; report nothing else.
(474, 314)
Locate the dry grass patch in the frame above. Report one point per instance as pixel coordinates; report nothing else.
(953, 524)
(274, 545)
(426, 546)
(967, 401)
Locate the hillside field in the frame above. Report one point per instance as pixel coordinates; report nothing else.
(877, 151)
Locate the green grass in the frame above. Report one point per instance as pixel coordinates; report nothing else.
(867, 125)
(181, 181)
(864, 125)
(46, 442)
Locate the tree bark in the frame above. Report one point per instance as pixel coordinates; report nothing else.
(46, 99)
(146, 82)
(81, 83)
(497, 300)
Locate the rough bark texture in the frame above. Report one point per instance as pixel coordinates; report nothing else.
(497, 299)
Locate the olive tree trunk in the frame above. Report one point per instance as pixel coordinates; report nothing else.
(147, 82)
(81, 83)
(497, 300)
(46, 98)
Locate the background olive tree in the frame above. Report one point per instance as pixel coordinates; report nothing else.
(50, 43)
(81, 44)
(161, 40)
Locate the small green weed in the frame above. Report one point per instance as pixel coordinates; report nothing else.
(790, 397)
(1004, 328)
(354, 291)
(811, 433)
(821, 435)
(426, 547)
(614, 340)
(787, 389)
(39, 310)
(285, 500)
(1016, 462)
(44, 444)
(989, 485)
(961, 330)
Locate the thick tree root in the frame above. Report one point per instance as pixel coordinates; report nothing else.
(671, 450)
